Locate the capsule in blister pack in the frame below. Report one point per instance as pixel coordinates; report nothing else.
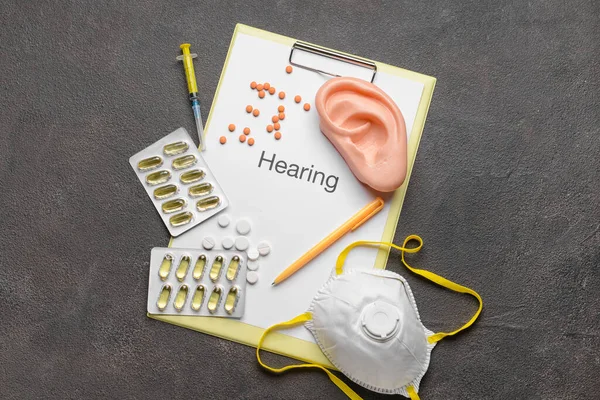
(180, 184)
(197, 282)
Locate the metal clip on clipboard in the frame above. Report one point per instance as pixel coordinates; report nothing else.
(334, 55)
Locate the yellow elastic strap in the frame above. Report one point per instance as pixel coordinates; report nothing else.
(339, 266)
(412, 393)
(291, 323)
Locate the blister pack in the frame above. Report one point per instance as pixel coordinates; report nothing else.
(197, 282)
(179, 182)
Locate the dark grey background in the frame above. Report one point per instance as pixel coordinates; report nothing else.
(505, 192)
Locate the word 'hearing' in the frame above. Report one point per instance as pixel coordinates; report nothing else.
(329, 182)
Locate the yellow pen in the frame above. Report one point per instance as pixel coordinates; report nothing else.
(357, 220)
(190, 76)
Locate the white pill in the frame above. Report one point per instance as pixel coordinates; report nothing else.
(224, 220)
(208, 243)
(253, 265)
(227, 243)
(241, 243)
(264, 248)
(252, 277)
(243, 226)
(253, 254)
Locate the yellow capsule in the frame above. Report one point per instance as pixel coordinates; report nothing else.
(199, 267)
(181, 298)
(231, 300)
(164, 192)
(174, 205)
(181, 218)
(183, 268)
(172, 149)
(184, 161)
(208, 203)
(163, 298)
(158, 177)
(201, 189)
(150, 163)
(215, 270)
(198, 297)
(192, 176)
(165, 267)
(232, 270)
(215, 299)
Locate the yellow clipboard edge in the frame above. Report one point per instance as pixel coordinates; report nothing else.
(279, 343)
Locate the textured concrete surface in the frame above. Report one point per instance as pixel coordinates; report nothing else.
(506, 192)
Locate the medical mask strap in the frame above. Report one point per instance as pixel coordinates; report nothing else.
(339, 267)
(300, 319)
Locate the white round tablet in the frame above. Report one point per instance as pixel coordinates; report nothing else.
(208, 243)
(252, 277)
(243, 226)
(252, 265)
(224, 220)
(264, 248)
(227, 243)
(253, 254)
(241, 243)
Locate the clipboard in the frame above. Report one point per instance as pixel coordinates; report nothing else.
(310, 59)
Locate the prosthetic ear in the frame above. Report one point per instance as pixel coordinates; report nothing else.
(368, 130)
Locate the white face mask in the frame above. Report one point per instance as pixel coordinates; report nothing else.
(367, 324)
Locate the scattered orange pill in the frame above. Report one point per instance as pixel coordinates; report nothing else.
(277, 135)
(289, 69)
(246, 131)
(269, 128)
(222, 140)
(261, 94)
(271, 90)
(306, 106)
(276, 126)
(282, 116)
(248, 108)
(275, 118)
(297, 99)
(231, 127)
(281, 108)
(242, 138)
(267, 85)
(253, 85)
(260, 86)
(282, 95)
(256, 112)
(251, 142)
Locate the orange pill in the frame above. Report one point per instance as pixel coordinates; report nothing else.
(277, 135)
(248, 108)
(282, 116)
(306, 106)
(282, 95)
(222, 140)
(267, 85)
(269, 128)
(251, 142)
(289, 69)
(275, 118)
(246, 131)
(256, 113)
(261, 94)
(281, 108)
(276, 126)
(231, 127)
(271, 90)
(242, 138)
(260, 86)
(253, 85)
(297, 99)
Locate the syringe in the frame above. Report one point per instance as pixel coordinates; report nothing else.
(190, 76)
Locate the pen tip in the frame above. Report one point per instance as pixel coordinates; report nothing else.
(273, 284)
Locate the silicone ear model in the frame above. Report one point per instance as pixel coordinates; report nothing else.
(368, 130)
